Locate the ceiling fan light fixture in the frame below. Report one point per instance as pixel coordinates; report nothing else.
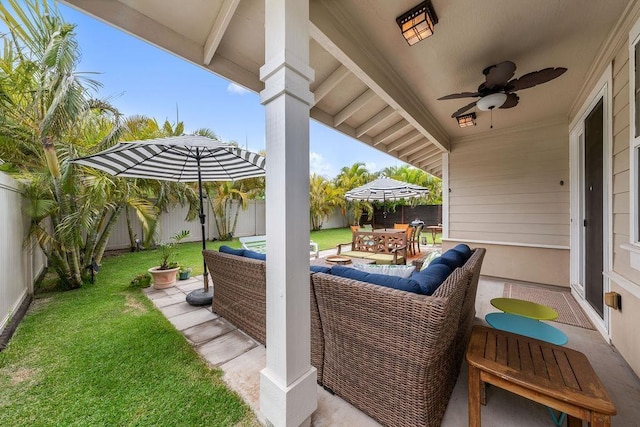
(417, 24)
(466, 120)
(491, 101)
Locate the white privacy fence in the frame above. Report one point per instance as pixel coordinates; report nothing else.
(19, 265)
(251, 222)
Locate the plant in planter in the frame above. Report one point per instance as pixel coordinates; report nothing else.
(164, 275)
(142, 280)
(184, 272)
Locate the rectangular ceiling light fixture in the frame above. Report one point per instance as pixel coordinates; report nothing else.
(466, 120)
(417, 24)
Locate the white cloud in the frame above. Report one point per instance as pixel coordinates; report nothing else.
(318, 165)
(371, 166)
(237, 89)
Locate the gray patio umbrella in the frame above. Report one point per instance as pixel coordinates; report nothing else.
(188, 158)
(383, 189)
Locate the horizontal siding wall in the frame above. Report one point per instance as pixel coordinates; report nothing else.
(506, 187)
(626, 280)
(20, 265)
(509, 192)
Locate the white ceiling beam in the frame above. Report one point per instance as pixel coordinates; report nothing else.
(327, 119)
(407, 139)
(412, 149)
(353, 107)
(391, 132)
(436, 160)
(332, 28)
(219, 27)
(421, 157)
(330, 83)
(373, 121)
(436, 170)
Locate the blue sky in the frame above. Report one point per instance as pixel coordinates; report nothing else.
(139, 78)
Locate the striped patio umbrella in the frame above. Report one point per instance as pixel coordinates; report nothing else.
(383, 189)
(187, 158)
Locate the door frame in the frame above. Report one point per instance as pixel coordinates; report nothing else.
(603, 89)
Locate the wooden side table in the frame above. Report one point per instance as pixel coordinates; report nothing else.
(558, 377)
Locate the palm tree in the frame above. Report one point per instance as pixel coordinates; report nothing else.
(349, 178)
(49, 117)
(324, 197)
(221, 196)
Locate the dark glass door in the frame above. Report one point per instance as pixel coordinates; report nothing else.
(593, 166)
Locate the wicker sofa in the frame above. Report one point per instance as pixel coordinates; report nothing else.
(396, 355)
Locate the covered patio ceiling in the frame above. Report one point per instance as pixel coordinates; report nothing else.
(369, 83)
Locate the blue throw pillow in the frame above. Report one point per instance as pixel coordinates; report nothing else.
(464, 250)
(431, 277)
(451, 258)
(393, 282)
(232, 251)
(255, 255)
(319, 269)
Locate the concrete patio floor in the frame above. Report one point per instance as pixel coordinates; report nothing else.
(241, 359)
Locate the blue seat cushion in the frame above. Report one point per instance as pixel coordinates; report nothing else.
(431, 277)
(393, 282)
(319, 269)
(232, 251)
(464, 250)
(255, 255)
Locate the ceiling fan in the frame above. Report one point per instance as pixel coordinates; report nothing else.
(499, 87)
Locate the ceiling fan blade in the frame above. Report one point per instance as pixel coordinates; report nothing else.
(460, 95)
(512, 101)
(498, 75)
(463, 109)
(535, 78)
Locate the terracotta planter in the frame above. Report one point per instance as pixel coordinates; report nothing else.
(163, 279)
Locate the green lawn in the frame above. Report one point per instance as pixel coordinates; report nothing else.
(103, 355)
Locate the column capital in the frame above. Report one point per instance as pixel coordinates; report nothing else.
(285, 73)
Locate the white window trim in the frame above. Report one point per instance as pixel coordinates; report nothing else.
(634, 145)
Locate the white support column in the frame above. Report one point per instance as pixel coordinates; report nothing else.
(288, 393)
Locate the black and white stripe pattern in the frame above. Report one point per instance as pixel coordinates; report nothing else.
(178, 159)
(383, 189)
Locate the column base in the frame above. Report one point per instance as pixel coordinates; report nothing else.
(288, 406)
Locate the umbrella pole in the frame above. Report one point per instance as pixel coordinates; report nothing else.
(205, 275)
(201, 297)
